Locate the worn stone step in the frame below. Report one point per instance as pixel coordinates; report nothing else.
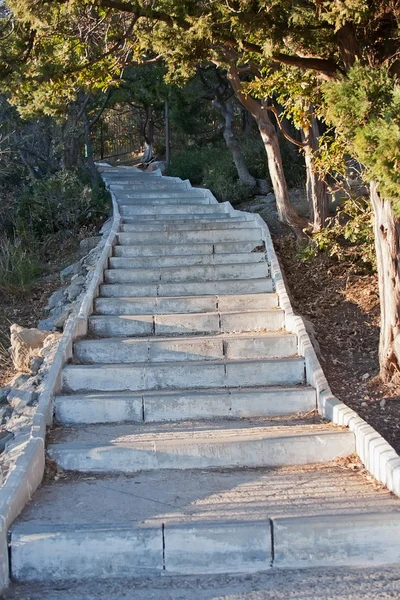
(187, 288)
(180, 405)
(189, 225)
(212, 236)
(188, 273)
(188, 248)
(220, 521)
(178, 217)
(187, 304)
(155, 262)
(182, 374)
(129, 448)
(185, 348)
(186, 324)
(156, 198)
(173, 209)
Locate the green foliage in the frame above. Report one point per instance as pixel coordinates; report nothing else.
(19, 266)
(365, 109)
(213, 168)
(348, 236)
(64, 201)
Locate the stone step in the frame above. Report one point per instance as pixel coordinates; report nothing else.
(186, 324)
(234, 223)
(141, 249)
(182, 217)
(178, 375)
(197, 348)
(187, 288)
(206, 522)
(187, 304)
(211, 236)
(155, 262)
(159, 197)
(188, 273)
(130, 448)
(173, 209)
(181, 405)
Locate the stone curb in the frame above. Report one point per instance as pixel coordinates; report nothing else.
(27, 472)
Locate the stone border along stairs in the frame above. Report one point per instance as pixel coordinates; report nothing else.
(188, 312)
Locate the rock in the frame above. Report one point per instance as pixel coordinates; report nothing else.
(365, 377)
(21, 397)
(5, 437)
(78, 279)
(59, 321)
(56, 299)
(25, 344)
(270, 198)
(382, 403)
(157, 164)
(74, 290)
(50, 343)
(4, 391)
(92, 258)
(255, 208)
(88, 244)
(35, 365)
(19, 380)
(106, 227)
(5, 414)
(74, 269)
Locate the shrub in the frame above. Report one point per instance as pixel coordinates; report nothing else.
(348, 236)
(18, 266)
(64, 201)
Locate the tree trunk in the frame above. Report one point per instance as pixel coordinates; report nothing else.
(317, 194)
(286, 211)
(387, 244)
(233, 144)
(89, 148)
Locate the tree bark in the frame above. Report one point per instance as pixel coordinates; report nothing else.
(317, 194)
(286, 211)
(89, 147)
(233, 144)
(387, 244)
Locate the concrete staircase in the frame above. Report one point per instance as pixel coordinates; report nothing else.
(187, 434)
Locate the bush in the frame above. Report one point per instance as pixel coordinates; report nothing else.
(348, 236)
(18, 266)
(187, 165)
(213, 168)
(64, 201)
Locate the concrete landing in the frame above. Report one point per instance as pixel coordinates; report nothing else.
(203, 522)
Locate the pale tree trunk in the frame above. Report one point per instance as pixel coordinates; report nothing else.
(317, 193)
(233, 143)
(387, 244)
(286, 211)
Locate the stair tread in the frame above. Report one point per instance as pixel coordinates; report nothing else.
(188, 391)
(198, 497)
(196, 432)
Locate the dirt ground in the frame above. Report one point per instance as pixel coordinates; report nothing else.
(26, 306)
(344, 311)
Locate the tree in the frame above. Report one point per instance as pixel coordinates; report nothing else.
(348, 44)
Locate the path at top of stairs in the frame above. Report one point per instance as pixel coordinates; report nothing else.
(186, 431)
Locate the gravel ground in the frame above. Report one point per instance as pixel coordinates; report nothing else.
(352, 584)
